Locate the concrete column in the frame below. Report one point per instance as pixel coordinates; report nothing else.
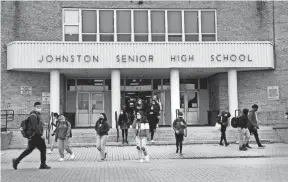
(115, 94)
(55, 91)
(232, 91)
(175, 92)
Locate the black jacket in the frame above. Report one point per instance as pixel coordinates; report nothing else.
(223, 121)
(102, 127)
(243, 121)
(35, 124)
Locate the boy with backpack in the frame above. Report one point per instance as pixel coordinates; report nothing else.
(179, 126)
(32, 129)
(244, 134)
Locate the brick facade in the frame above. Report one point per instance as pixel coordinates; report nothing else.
(236, 21)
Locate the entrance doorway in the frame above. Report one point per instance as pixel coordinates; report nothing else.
(189, 107)
(89, 107)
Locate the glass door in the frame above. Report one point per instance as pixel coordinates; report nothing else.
(189, 106)
(83, 108)
(97, 106)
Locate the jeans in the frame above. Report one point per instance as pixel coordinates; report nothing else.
(223, 135)
(52, 143)
(244, 136)
(101, 144)
(63, 144)
(141, 146)
(124, 134)
(179, 140)
(255, 132)
(35, 142)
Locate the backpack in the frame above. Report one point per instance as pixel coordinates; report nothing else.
(24, 126)
(235, 122)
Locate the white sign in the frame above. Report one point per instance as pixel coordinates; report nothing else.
(26, 90)
(45, 98)
(273, 92)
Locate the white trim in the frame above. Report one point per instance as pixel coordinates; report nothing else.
(98, 27)
(199, 26)
(132, 26)
(115, 25)
(166, 26)
(183, 27)
(215, 18)
(80, 25)
(149, 27)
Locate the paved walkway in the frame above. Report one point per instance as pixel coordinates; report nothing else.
(157, 152)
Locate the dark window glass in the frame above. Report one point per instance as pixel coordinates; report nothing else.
(138, 84)
(175, 38)
(87, 38)
(107, 38)
(188, 84)
(191, 38)
(89, 84)
(166, 84)
(124, 37)
(108, 84)
(156, 84)
(89, 21)
(208, 37)
(72, 37)
(208, 21)
(158, 37)
(71, 33)
(203, 83)
(71, 85)
(191, 22)
(141, 37)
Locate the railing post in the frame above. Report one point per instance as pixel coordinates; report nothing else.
(6, 113)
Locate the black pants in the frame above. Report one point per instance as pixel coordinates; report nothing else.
(124, 134)
(35, 142)
(152, 131)
(255, 132)
(179, 140)
(223, 135)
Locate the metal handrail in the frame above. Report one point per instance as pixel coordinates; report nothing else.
(7, 117)
(116, 120)
(177, 111)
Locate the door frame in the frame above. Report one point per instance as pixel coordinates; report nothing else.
(184, 110)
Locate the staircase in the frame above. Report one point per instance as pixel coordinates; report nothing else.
(163, 136)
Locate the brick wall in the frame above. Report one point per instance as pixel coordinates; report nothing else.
(237, 21)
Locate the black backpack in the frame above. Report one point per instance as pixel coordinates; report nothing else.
(235, 122)
(24, 126)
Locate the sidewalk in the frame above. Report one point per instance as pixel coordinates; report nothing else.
(157, 152)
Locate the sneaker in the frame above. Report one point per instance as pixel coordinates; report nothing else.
(248, 146)
(15, 164)
(152, 141)
(177, 150)
(141, 160)
(61, 159)
(261, 146)
(181, 153)
(105, 155)
(147, 158)
(72, 156)
(100, 160)
(49, 151)
(227, 144)
(44, 166)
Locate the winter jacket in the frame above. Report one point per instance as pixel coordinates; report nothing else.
(35, 124)
(141, 127)
(223, 121)
(102, 127)
(243, 121)
(177, 126)
(253, 123)
(63, 130)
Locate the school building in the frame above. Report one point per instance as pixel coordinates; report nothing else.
(83, 58)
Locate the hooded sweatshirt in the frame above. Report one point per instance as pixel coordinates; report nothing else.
(63, 130)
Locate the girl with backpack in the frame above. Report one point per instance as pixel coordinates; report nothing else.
(63, 133)
(223, 121)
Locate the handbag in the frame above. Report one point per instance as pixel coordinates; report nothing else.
(218, 126)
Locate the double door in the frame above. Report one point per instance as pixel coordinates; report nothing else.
(189, 106)
(89, 107)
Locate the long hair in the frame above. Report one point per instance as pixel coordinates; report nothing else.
(143, 118)
(105, 117)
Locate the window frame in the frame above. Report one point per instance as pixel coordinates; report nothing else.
(182, 10)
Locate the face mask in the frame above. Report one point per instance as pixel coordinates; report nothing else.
(138, 117)
(226, 115)
(38, 109)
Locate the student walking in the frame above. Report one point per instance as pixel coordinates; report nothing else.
(141, 127)
(54, 123)
(124, 125)
(35, 137)
(253, 125)
(179, 126)
(223, 121)
(152, 116)
(244, 134)
(63, 133)
(102, 127)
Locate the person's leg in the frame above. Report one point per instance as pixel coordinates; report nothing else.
(61, 148)
(177, 142)
(27, 151)
(152, 133)
(247, 143)
(98, 143)
(246, 136)
(138, 146)
(126, 135)
(257, 138)
(240, 138)
(123, 134)
(144, 148)
(180, 142)
(67, 146)
(41, 146)
(103, 146)
(222, 136)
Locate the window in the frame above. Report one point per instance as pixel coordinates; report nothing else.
(124, 26)
(71, 85)
(158, 26)
(106, 25)
(127, 25)
(89, 25)
(141, 26)
(174, 26)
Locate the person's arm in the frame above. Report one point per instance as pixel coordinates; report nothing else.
(34, 125)
(96, 125)
(134, 124)
(106, 127)
(174, 124)
(185, 124)
(56, 132)
(68, 130)
(218, 119)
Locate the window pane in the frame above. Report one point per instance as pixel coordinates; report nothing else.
(89, 85)
(175, 38)
(89, 37)
(107, 38)
(188, 84)
(124, 37)
(174, 22)
(72, 37)
(108, 84)
(157, 84)
(208, 21)
(141, 38)
(158, 38)
(123, 21)
(89, 22)
(106, 21)
(191, 22)
(71, 16)
(71, 30)
(141, 21)
(208, 38)
(166, 84)
(203, 83)
(157, 21)
(191, 38)
(71, 85)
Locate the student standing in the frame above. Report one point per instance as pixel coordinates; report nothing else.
(63, 133)
(179, 126)
(102, 127)
(152, 116)
(124, 125)
(35, 137)
(54, 123)
(223, 121)
(141, 127)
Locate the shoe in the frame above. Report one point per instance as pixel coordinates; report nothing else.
(181, 153)
(261, 146)
(227, 144)
(61, 159)
(123, 142)
(152, 141)
(105, 155)
(248, 146)
(177, 150)
(141, 160)
(221, 144)
(243, 148)
(44, 166)
(49, 152)
(100, 160)
(147, 158)
(126, 141)
(15, 164)
(72, 156)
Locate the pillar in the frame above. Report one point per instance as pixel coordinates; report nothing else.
(175, 92)
(55, 91)
(115, 95)
(232, 91)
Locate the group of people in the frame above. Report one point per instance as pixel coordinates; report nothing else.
(247, 125)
